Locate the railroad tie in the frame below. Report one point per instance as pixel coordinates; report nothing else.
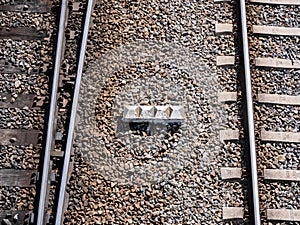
(229, 135)
(15, 217)
(233, 213)
(231, 173)
(37, 6)
(277, 63)
(13, 177)
(274, 30)
(282, 175)
(223, 28)
(290, 137)
(225, 60)
(279, 99)
(277, 2)
(283, 214)
(227, 97)
(23, 100)
(19, 137)
(222, 0)
(21, 33)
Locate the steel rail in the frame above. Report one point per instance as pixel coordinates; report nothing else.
(250, 114)
(51, 118)
(69, 144)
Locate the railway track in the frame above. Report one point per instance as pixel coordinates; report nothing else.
(283, 179)
(34, 144)
(26, 56)
(272, 178)
(43, 215)
(64, 150)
